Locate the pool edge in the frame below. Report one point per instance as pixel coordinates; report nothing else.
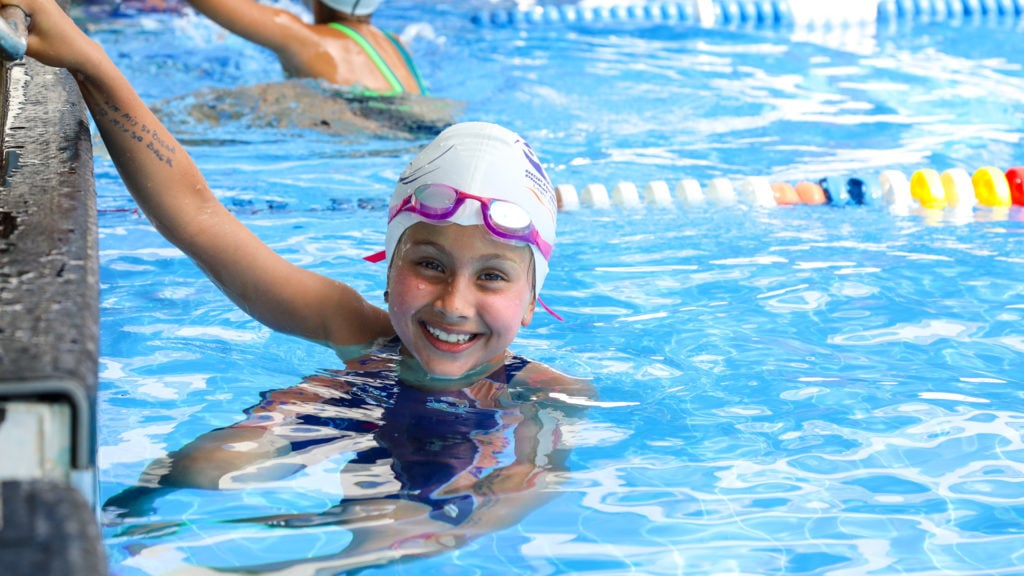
(49, 325)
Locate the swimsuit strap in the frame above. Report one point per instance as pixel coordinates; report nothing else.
(396, 86)
(408, 61)
(514, 365)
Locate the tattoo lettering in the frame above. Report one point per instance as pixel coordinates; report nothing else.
(127, 124)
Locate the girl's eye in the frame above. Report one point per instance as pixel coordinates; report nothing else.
(492, 277)
(432, 265)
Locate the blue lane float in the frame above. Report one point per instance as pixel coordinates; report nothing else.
(706, 13)
(947, 10)
(761, 13)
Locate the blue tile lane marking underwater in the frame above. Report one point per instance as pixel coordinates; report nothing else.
(799, 389)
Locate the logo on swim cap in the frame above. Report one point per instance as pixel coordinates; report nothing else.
(538, 176)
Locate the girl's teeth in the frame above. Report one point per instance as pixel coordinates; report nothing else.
(451, 338)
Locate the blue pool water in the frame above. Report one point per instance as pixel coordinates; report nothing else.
(801, 390)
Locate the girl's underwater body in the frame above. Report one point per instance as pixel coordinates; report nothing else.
(420, 471)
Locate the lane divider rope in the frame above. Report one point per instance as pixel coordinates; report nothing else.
(927, 189)
(760, 13)
(953, 189)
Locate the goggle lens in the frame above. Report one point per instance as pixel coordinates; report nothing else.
(504, 219)
(435, 200)
(509, 217)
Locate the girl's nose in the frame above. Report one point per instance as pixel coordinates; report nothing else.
(455, 298)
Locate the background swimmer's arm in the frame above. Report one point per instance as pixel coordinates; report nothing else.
(271, 27)
(172, 192)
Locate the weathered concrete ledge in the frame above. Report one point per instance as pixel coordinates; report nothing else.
(49, 278)
(49, 327)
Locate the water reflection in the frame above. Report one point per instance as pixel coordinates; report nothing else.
(414, 473)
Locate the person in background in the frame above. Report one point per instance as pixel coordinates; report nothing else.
(341, 46)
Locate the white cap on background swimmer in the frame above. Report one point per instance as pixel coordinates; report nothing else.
(485, 160)
(354, 7)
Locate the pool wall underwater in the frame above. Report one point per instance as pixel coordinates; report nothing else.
(49, 279)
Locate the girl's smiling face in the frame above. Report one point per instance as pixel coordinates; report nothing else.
(458, 296)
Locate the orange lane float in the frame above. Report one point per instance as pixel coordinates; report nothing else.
(810, 193)
(785, 194)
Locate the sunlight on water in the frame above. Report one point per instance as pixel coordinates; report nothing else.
(806, 390)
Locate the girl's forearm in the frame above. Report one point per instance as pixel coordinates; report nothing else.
(155, 168)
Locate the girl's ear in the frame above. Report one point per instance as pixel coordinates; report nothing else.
(528, 315)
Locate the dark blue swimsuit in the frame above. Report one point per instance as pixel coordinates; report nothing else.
(428, 436)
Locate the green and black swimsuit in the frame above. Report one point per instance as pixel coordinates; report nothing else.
(396, 86)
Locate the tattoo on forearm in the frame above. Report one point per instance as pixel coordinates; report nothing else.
(112, 115)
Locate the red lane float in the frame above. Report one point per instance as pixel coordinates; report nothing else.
(1015, 179)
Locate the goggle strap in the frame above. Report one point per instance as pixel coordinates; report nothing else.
(376, 257)
(549, 310)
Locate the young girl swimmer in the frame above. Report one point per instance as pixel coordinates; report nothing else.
(470, 232)
(341, 46)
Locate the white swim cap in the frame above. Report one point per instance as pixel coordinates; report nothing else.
(354, 7)
(485, 160)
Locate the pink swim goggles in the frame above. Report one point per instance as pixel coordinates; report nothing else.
(503, 219)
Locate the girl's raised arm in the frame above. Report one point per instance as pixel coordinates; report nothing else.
(172, 192)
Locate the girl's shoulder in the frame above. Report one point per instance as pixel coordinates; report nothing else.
(542, 377)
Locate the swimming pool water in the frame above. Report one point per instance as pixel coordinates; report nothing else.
(807, 390)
